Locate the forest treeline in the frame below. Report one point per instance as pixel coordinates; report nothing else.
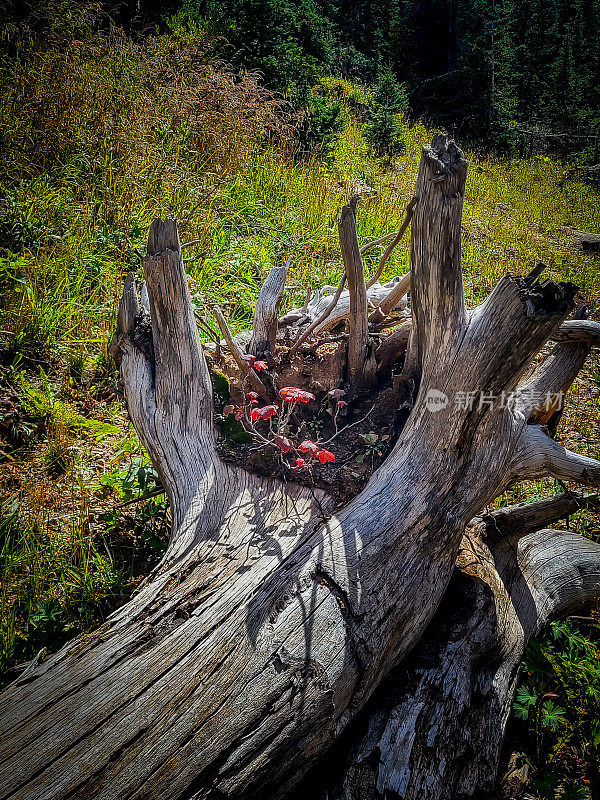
(516, 75)
(521, 74)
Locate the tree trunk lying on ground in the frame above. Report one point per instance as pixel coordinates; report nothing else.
(278, 610)
(588, 242)
(435, 728)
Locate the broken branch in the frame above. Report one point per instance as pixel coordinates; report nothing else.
(320, 319)
(238, 356)
(393, 243)
(358, 323)
(264, 323)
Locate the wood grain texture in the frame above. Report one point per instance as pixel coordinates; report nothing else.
(435, 730)
(358, 327)
(327, 308)
(579, 330)
(393, 346)
(437, 297)
(264, 323)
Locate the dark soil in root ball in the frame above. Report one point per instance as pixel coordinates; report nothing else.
(360, 436)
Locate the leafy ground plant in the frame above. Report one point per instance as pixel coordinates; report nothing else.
(559, 702)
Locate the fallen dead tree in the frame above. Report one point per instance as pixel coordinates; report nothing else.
(285, 599)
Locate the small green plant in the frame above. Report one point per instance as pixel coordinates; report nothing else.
(52, 587)
(60, 453)
(323, 121)
(40, 399)
(373, 447)
(390, 94)
(385, 131)
(142, 506)
(559, 700)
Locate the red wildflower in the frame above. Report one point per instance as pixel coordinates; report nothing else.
(262, 413)
(258, 365)
(300, 462)
(253, 397)
(324, 455)
(308, 447)
(249, 359)
(290, 394)
(341, 403)
(283, 443)
(239, 413)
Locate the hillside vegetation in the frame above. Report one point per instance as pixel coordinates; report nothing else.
(99, 135)
(521, 74)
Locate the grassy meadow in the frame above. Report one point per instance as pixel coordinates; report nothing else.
(99, 135)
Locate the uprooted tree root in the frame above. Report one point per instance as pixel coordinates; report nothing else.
(281, 605)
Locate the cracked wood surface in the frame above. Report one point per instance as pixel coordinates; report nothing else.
(436, 729)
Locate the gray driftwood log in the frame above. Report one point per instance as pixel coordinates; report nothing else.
(275, 615)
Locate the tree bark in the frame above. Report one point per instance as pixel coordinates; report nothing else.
(264, 324)
(274, 614)
(436, 727)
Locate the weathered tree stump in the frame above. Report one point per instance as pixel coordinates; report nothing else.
(277, 612)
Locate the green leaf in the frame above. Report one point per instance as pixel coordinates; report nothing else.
(525, 700)
(546, 787)
(553, 716)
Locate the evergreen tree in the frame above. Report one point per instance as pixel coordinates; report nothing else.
(490, 69)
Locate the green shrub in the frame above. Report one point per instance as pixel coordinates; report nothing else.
(390, 94)
(385, 133)
(559, 700)
(322, 123)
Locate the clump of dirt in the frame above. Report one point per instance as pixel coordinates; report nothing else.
(360, 431)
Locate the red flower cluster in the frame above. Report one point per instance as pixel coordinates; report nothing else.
(290, 394)
(325, 455)
(254, 413)
(262, 413)
(310, 447)
(252, 362)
